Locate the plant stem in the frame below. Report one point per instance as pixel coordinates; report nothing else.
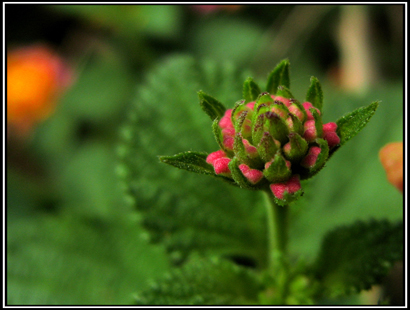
(277, 217)
(277, 228)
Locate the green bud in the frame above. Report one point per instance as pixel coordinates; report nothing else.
(284, 92)
(277, 127)
(264, 98)
(277, 170)
(296, 148)
(267, 147)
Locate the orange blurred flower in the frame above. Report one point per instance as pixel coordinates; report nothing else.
(36, 77)
(391, 157)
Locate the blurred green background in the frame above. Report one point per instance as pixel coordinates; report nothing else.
(72, 236)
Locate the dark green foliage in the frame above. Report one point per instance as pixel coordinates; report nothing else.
(187, 211)
(204, 281)
(278, 77)
(355, 257)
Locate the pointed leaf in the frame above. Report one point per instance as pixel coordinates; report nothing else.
(193, 162)
(355, 257)
(251, 90)
(211, 106)
(187, 212)
(279, 76)
(315, 94)
(204, 281)
(349, 125)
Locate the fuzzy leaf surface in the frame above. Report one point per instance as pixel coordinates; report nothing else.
(211, 106)
(186, 211)
(315, 93)
(351, 124)
(355, 257)
(203, 282)
(279, 77)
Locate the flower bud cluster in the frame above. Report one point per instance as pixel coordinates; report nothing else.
(272, 142)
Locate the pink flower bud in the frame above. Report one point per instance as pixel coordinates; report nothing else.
(214, 156)
(329, 127)
(310, 159)
(250, 149)
(294, 184)
(226, 122)
(251, 105)
(294, 109)
(284, 100)
(307, 106)
(291, 186)
(332, 138)
(228, 132)
(221, 166)
(310, 133)
(253, 175)
(278, 190)
(228, 142)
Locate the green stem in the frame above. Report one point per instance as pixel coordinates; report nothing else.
(278, 217)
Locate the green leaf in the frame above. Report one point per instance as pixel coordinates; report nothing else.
(315, 94)
(73, 260)
(193, 162)
(187, 211)
(211, 106)
(279, 77)
(355, 257)
(251, 90)
(204, 281)
(349, 125)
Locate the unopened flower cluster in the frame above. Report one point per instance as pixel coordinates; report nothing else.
(272, 143)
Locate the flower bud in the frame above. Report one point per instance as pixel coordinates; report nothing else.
(296, 148)
(280, 109)
(277, 170)
(310, 133)
(308, 106)
(287, 191)
(284, 100)
(253, 175)
(221, 166)
(267, 147)
(330, 135)
(214, 156)
(297, 110)
(277, 127)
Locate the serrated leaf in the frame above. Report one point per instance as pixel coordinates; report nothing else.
(187, 211)
(315, 94)
(211, 106)
(349, 125)
(279, 76)
(193, 162)
(251, 90)
(355, 257)
(190, 161)
(72, 260)
(204, 281)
